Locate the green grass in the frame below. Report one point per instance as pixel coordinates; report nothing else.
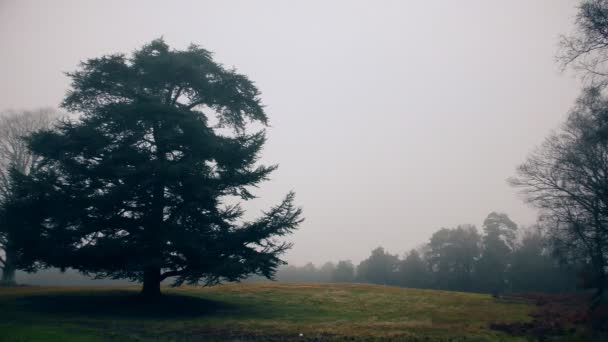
(252, 311)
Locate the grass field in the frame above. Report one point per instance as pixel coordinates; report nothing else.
(260, 311)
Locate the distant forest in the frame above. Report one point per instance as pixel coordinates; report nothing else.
(499, 259)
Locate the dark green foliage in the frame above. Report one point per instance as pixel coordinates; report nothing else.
(144, 184)
(460, 259)
(344, 272)
(451, 256)
(533, 269)
(413, 271)
(498, 243)
(380, 268)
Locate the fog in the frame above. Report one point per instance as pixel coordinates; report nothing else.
(390, 119)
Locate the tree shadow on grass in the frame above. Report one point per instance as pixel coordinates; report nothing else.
(124, 304)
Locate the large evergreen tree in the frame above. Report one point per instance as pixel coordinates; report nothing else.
(144, 184)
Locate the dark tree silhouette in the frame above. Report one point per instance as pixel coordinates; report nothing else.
(586, 48)
(535, 269)
(344, 272)
(451, 255)
(144, 184)
(380, 268)
(498, 244)
(567, 178)
(413, 271)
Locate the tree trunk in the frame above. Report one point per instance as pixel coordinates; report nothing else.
(151, 288)
(8, 272)
(600, 270)
(598, 319)
(152, 275)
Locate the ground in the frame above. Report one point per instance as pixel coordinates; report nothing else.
(257, 311)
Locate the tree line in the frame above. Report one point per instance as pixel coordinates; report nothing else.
(496, 260)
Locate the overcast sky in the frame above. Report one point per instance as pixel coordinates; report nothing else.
(390, 119)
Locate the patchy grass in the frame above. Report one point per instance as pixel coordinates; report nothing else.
(565, 316)
(262, 311)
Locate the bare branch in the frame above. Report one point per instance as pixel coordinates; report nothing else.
(567, 178)
(14, 152)
(587, 47)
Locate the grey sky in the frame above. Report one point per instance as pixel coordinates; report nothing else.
(390, 119)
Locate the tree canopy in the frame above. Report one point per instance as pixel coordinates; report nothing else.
(145, 184)
(452, 254)
(379, 268)
(585, 49)
(498, 244)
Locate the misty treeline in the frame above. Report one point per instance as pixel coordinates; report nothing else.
(498, 259)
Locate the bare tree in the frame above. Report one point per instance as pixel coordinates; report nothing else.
(586, 49)
(15, 155)
(567, 179)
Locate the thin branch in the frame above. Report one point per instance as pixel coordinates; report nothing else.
(172, 274)
(177, 95)
(194, 104)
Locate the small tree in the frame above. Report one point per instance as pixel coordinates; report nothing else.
(143, 185)
(16, 157)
